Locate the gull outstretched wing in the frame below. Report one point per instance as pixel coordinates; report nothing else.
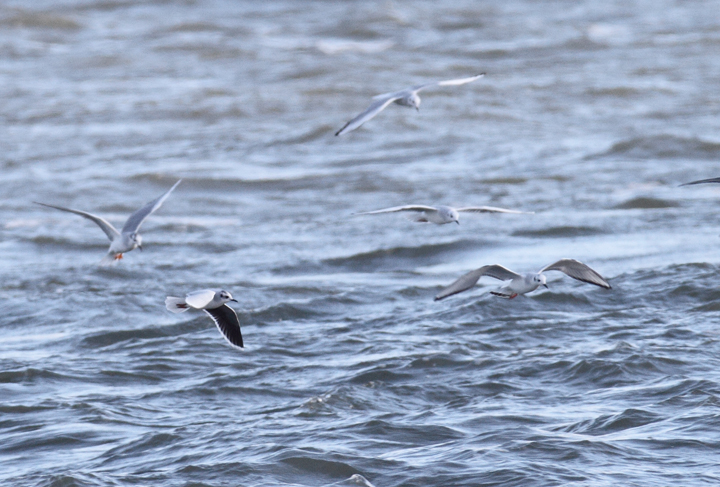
(375, 107)
(227, 322)
(394, 209)
(577, 270)
(491, 209)
(471, 278)
(106, 227)
(448, 82)
(133, 223)
(701, 181)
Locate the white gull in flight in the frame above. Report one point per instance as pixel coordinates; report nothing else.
(439, 214)
(212, 301)
(407, 97)
(128, 238)
(523, 283)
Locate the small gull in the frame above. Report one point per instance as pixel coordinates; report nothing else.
(440, 214)
(407, 97)
(212, 301)
(523, 283)
(127, 239)
(701, 181)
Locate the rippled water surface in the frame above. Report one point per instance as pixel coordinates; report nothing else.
(591, 114)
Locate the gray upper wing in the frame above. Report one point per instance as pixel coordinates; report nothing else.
(133, 223)
(393, 94)
(491, 209)
(106, 227)
(577, 270)
(471, 278)
(375, 107)
(448, 82)
(399, 208)
(200, 299)
(500, 272)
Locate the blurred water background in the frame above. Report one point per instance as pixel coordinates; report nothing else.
(591, 115)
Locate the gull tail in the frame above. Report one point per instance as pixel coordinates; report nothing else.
(176, 305)
(109, 259)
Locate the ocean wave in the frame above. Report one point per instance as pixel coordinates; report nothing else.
(21, 18)
(613, 423)
(646, 203)
(29, 375)
(319, 465)
(113, 338)
(401, 258)
(664, 146)
(560, 232)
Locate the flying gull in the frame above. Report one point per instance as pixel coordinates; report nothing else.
(128, 238)
(440, 214)
(407, 97)
(523, 283)
(212, 301)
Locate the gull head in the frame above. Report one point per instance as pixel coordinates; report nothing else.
(136, 240)
(414, 101)
(449, 214)
(226, 296)
(410, 100)
(540, 280)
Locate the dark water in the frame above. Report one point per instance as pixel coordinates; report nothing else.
(591, 115)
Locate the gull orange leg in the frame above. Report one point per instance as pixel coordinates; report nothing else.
(118, 256)
(514, 295)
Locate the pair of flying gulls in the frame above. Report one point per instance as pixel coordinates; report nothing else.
(212, 301)
(524, 283)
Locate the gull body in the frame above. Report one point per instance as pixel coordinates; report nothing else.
(408, 98)
(439, 215)
(214, 303)
(128, 238)
(523, 283)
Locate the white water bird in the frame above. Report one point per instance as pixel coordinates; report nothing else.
(128, 238)
(440, 214)
(523, 283)
(213, 302)
(407, 97)
(701, 181)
